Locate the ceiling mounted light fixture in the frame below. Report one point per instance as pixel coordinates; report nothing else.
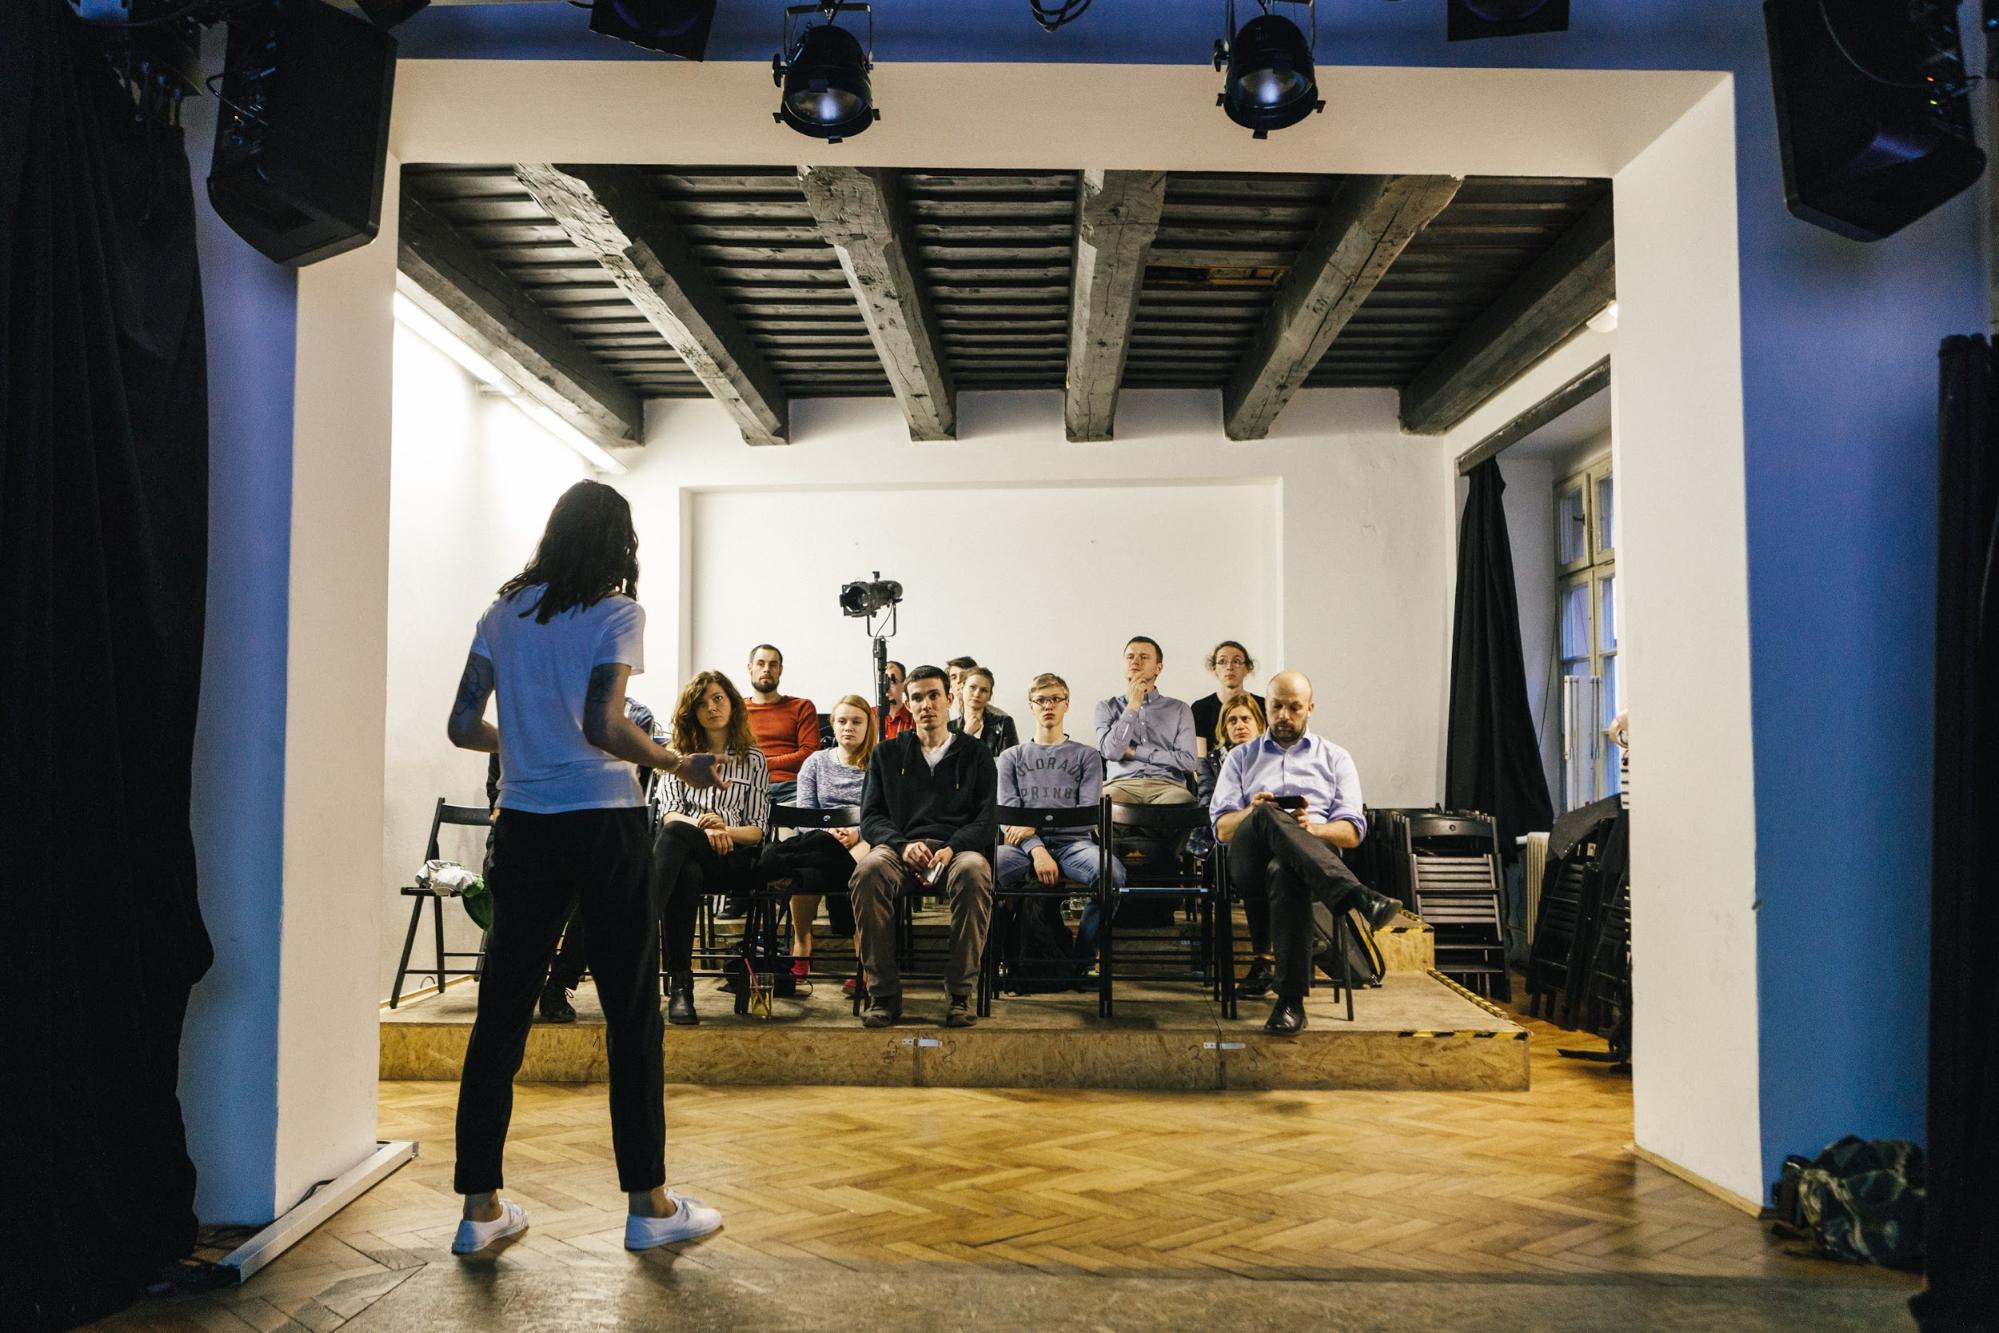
(1270, 83)
(823, 70)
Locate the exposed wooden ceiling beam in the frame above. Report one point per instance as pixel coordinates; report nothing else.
(1575, 279)
(490, 313)
(1369, 222)
(1574, 393)
(611, 215)
(859, 212)
(1117, 217)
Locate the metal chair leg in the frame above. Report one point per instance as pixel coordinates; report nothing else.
(409, 942)
(1346, 964)
(437, 925)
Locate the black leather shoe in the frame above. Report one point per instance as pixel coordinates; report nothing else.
(1378, 908)
(680, 1003)
(555, 1006)
(1287, 1019)
(1256, 982)
(961, 1014)
(882, 1011)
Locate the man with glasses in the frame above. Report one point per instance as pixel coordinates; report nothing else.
(1283, 802)
(1050, 771)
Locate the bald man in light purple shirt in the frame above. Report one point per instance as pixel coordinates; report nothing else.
(1283, 802)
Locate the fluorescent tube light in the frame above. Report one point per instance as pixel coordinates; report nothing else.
(420, 322)
(592, 452)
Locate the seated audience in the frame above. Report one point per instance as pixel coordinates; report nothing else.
(978, 719)
(1050, 771)
(1241, 722)
(786, 729)
(1146, 739)
(705, 836)
(830, 780)
(1283, 802)
(1231, 664)
(897, 721)
(956, 669)
(926, 811)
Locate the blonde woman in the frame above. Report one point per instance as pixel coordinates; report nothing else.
(829, 780)
(703, 833)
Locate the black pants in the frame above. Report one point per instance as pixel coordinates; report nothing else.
(685, 867)
(543, 866)
(1272, 859)
(572, 956)
(817, 864)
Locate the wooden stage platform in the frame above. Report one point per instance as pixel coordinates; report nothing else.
(1416, 1031)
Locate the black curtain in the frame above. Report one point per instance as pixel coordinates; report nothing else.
(1962, 1232)
(103, 554)
(1492, 759)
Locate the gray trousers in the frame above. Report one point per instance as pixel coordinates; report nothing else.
(878, 885)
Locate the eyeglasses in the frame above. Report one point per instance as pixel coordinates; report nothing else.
(1221, 662)
(1048, 700)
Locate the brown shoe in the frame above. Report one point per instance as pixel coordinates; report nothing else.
(961, 1014)
(882, 1011)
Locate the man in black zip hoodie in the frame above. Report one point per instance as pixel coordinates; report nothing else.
(927, 812)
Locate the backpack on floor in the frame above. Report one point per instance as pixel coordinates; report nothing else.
(1859, 1200)
(1364, 958)
(1036, 948)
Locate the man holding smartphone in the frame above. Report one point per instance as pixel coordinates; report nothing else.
(927, 811)
(1283, 802)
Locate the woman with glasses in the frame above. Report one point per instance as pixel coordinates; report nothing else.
(1231, 664)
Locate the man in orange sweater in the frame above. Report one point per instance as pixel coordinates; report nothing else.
(786, 729)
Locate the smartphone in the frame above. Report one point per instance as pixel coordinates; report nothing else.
(1293, 803)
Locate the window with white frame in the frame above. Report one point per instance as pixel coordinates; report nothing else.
(1586, 631)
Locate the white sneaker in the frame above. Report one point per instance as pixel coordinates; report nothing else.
(475, 1236)
(690, 1220)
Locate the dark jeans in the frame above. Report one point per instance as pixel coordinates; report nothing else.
(543, 867)
(684, 867)
(1274, 861)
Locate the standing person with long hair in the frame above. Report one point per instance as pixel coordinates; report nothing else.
(558, 646)
(705, 832)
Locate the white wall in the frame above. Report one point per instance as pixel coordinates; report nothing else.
(471, 484)
(1024, 578)
(1349, 579)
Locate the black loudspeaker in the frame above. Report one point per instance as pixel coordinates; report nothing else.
(304, 129)
(1469, 19)
(1872, 115)
(676, 27)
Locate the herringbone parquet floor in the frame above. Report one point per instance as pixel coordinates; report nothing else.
(1377, 1187)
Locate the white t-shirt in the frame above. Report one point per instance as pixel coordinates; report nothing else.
(541, 674)
(936, 756)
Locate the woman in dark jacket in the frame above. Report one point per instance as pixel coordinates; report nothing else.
(979, 719)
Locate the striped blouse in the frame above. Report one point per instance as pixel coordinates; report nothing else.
(742, 799)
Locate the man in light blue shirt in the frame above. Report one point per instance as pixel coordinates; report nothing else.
(1283, 802)
(1146, 739)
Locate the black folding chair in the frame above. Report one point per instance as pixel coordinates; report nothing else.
(1030, 891)
(1454, 871)
(470, 816)
(1225, 899)
(1180, 878)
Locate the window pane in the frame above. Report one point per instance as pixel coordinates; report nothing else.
(1604, 493)
(1609, 689)
(1571, 535)
(1606, 613)
(1575, 623)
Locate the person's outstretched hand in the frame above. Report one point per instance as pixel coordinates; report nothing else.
(698, 771)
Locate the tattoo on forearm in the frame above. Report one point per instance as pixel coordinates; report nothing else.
(598, 696)
(473, 688)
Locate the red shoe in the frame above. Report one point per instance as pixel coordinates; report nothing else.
(800, 967)
(847, 988)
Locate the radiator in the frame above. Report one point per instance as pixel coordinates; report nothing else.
(1535, 869)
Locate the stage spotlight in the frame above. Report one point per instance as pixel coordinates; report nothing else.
(388, 13)
(1270, 82)
(823, 71)
(1469, 19)
(676, 27)
(866, 597)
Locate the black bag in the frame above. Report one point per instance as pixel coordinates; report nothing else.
(1036, 948)
(1860, 1201)
(1364, 960)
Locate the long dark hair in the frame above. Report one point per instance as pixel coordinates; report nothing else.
(588, 551)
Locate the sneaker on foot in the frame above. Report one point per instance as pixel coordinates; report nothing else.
(473, 1236)
(555, 1006)
(961, 1014)
(691, 1219)
(801, 968)
(882, 1011)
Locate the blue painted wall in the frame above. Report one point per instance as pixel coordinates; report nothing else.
(1839, 344)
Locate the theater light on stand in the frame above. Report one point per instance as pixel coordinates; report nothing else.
(823, 70)
(1271, 83)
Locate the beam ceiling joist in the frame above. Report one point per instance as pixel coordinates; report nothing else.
(489, 312)
(610, 215)
(1117, 218)
(860, 214)
(1574, 280)
(1369, 222)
